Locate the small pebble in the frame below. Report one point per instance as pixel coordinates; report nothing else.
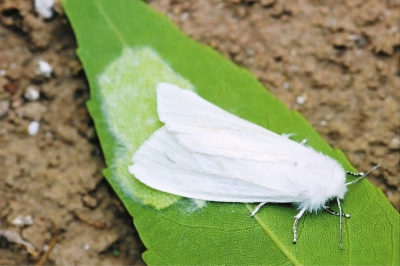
(11, 88)
(89, 201)
(23, 220)
(31, 94)
(44, 8)
(32, 111)
(185, 16)
(295, 68)
(267, 3)
(44, 68)
(301, 100)
(33, 128)
(286, 85)
(4, 107)
(395, 143)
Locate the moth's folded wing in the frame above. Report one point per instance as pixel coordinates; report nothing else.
(202, 127)
(163, 164)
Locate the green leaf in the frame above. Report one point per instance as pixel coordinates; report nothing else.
(126, 49)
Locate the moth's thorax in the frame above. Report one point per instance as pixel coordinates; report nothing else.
(328, 182)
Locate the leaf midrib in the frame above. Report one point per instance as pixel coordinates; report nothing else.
(274, 238)
(112, 26)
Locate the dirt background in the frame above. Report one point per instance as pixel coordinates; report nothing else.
(337, 62)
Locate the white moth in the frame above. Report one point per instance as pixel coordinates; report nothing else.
(206, 153)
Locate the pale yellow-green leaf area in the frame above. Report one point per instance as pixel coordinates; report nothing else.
(128, 88)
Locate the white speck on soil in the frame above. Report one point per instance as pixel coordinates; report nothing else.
(33, 128)
(44, 68)
(44, 8)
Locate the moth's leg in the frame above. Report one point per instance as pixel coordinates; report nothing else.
(360, 175)
(355, 174)
(303, 142)
(257, 208)
(296, 220)
(326, 208)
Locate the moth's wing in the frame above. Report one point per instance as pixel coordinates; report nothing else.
(162, 163)
(202, 127)
(206, 153)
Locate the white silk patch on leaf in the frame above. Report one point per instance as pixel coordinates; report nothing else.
(128, 91)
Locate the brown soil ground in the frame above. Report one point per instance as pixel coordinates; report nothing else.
(335, 62)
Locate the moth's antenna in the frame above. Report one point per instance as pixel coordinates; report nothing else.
(362, 175)
(340, 223)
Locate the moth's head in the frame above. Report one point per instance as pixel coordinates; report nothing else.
(336, 189)
(333, 191)
(331, 185)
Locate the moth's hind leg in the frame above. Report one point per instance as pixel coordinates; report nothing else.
(326, 208)
(296, 220)
(258, 208)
